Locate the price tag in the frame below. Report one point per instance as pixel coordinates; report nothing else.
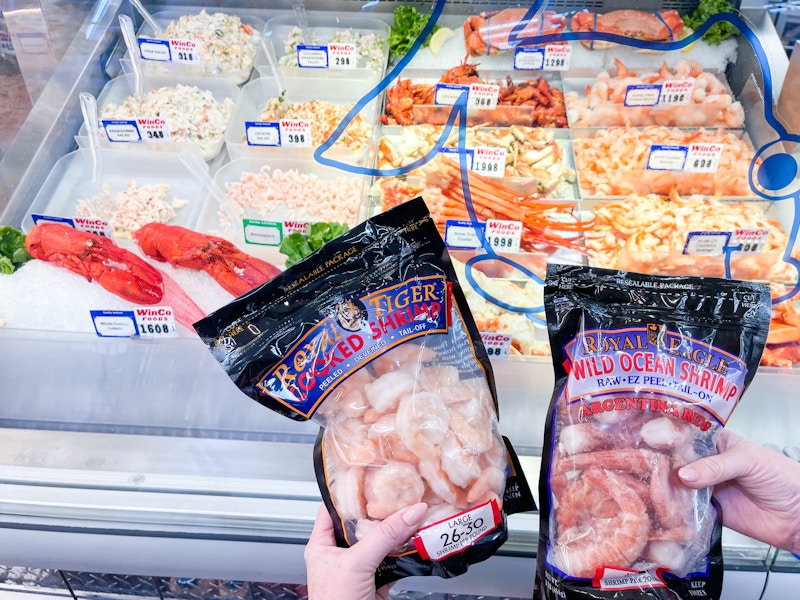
(642, 95)
(504, 235)
(342, 55)
(295, 133)
(452, 154)
(95, 226)
(750, 241)
(706, 243)
(498, 345)
(489, 161)
(676, 92)
(703, 158)
(114, 323)
(153, 129)
(185, 51)
(155, 322)
(483, 95)
(666, 158)
(312, 56)
(557, 57)
(463, 234)
(452, 535)
(446, 94)
(528, 59)
(262, 133)
(122, 130)
(154, 49)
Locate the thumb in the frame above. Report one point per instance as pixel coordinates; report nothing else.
(393, 531)
(712, 470)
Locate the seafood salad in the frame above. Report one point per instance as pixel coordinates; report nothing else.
(224, 41)
(648, 370)
(191, 114)
(129, 209)
(370, 47)
(371, 337)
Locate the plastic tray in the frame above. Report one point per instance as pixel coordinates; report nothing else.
(120, 88)
(201, 69)
(71, 180)
(257, 93)
(324, 27)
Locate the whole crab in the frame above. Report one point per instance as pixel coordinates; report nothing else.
(661, 26)
(488, 32)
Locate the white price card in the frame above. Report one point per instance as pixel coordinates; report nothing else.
(114, 323)
(450, 536)
(498, 345)
(311, 56)
(557, 57)
(504, 235)
(528, 59)
(262, 133)
(154, 49)
(446, 94)
(95, 226)
(155, 322)
(271, 233)
(121, 130)
(703, 158)
(642, 95)
(706, 243)
(462, 234)
(342, 55)
(489, 161)
(676, 92)
(295, 133)
(452, 154)
(750, 241)
(483, 95)
(666, 158)
(153, 129)
(185, 51)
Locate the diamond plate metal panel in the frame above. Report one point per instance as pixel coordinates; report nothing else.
(129, 585)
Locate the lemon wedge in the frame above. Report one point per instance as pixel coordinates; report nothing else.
(439, 38)
(686, 32)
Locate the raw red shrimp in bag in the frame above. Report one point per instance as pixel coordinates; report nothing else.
(371, 337)
(648, 370)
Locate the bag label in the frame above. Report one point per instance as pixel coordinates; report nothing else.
(357, 330)
(624, 579)
(450, 536)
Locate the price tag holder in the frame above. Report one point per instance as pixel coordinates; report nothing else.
(504, 235)
(271, 233)
(114, 323)
(706, 243)
(155, 322)
(483, 96)
(295, 133)
(642, 95)
(312, 56)
(666, 158)
(676, 92)
(750, 241)
(528, 59)
(262, 133)
(95, 226)
(462, 235)
(703, 158)
(451, 536)
(498, 345)
(342, 55)
(557, 57)
(446, 94)
(489, 161)
(119, 130)
(154, 49)
(452, 154)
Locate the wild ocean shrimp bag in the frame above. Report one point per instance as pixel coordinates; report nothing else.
(648, 369)
(371, 337)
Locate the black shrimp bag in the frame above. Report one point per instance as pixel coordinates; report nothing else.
(648, 369)
(371, 337)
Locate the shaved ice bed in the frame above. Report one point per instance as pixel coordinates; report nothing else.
(27, 300)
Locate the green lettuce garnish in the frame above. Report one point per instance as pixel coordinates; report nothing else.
(296, 246)
(408, 23)
(718, 31)
(13, 253)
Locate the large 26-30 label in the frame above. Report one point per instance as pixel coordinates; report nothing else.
(450, 536)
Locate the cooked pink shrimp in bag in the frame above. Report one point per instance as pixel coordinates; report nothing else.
(648, 370)
(371, 337)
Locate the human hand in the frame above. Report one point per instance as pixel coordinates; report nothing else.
(758, 489)
(335, 573)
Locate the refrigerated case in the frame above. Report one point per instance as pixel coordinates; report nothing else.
(137, 456)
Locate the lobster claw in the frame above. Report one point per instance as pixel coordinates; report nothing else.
(96, 258)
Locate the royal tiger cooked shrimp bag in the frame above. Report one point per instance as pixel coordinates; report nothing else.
(371, 337)
(648, 370)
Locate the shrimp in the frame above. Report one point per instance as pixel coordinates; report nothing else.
(638, 462)
(664, 433)
(489, 486)
(390, 447)
(468, 421)
(615, 542)
(350, 443)
(462, 467)
(423, 423)
(583, 437)
(439, 512)
(407, 356)
(392, 487)
(672, 501)
(385, 392)
(347, 490)
(440, 483)
(667, 554)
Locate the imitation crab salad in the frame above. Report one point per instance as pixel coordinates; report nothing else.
(190, 114)
(369, 47)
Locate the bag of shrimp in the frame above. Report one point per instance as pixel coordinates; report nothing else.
(371, 337)
(648, 369)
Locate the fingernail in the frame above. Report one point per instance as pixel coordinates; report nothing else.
(688, 474)
(415, 513)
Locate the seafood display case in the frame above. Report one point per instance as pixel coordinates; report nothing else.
(136, 454)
